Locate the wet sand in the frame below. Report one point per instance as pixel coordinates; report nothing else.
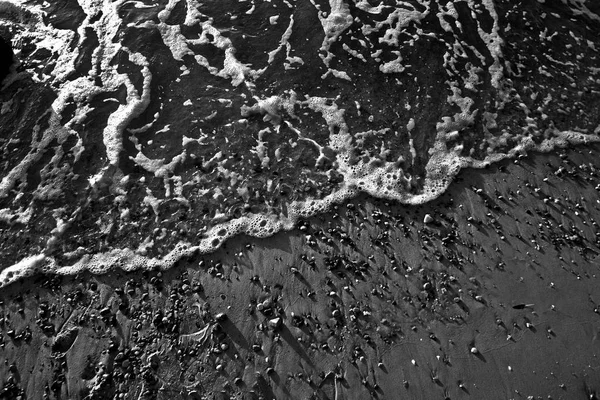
(495, 297)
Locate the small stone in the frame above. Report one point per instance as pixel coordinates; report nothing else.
(428, 219)
(275, 323)
(220, 317)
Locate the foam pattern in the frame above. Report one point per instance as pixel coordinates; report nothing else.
(338, 136)
(443, 166)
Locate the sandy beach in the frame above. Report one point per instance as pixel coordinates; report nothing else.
(495, 297)
(139, 136)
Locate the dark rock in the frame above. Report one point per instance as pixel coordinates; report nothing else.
(275, 323)
(105, 311)
(6, 58)
(220, 317)
(65, 14)
(64, 340)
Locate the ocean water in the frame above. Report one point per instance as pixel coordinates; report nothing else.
(135, 133)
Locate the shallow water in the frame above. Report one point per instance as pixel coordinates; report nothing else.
(135, 133)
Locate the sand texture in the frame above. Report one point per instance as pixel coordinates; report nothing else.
(496, 297)
(192, 199)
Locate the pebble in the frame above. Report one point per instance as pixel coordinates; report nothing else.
(220, 317)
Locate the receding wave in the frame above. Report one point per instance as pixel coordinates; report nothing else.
(135, 133)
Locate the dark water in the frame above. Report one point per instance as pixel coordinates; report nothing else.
(134, 133)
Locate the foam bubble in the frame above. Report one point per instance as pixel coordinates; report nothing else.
(374, 176)
(443, 165)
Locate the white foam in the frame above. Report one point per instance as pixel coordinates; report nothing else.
(22, 269)
(393, 66)
(399, 19)
(378, 177)
(385, 182)
(136, 103)
(284, 41)
(334, 24)
(22, 216)
(494, 43)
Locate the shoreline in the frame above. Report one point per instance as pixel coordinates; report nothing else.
(395, 306)
(230, 200)
(104, 262)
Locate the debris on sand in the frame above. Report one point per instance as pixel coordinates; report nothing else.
(428, 219)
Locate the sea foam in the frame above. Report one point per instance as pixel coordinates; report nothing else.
(328, 132)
